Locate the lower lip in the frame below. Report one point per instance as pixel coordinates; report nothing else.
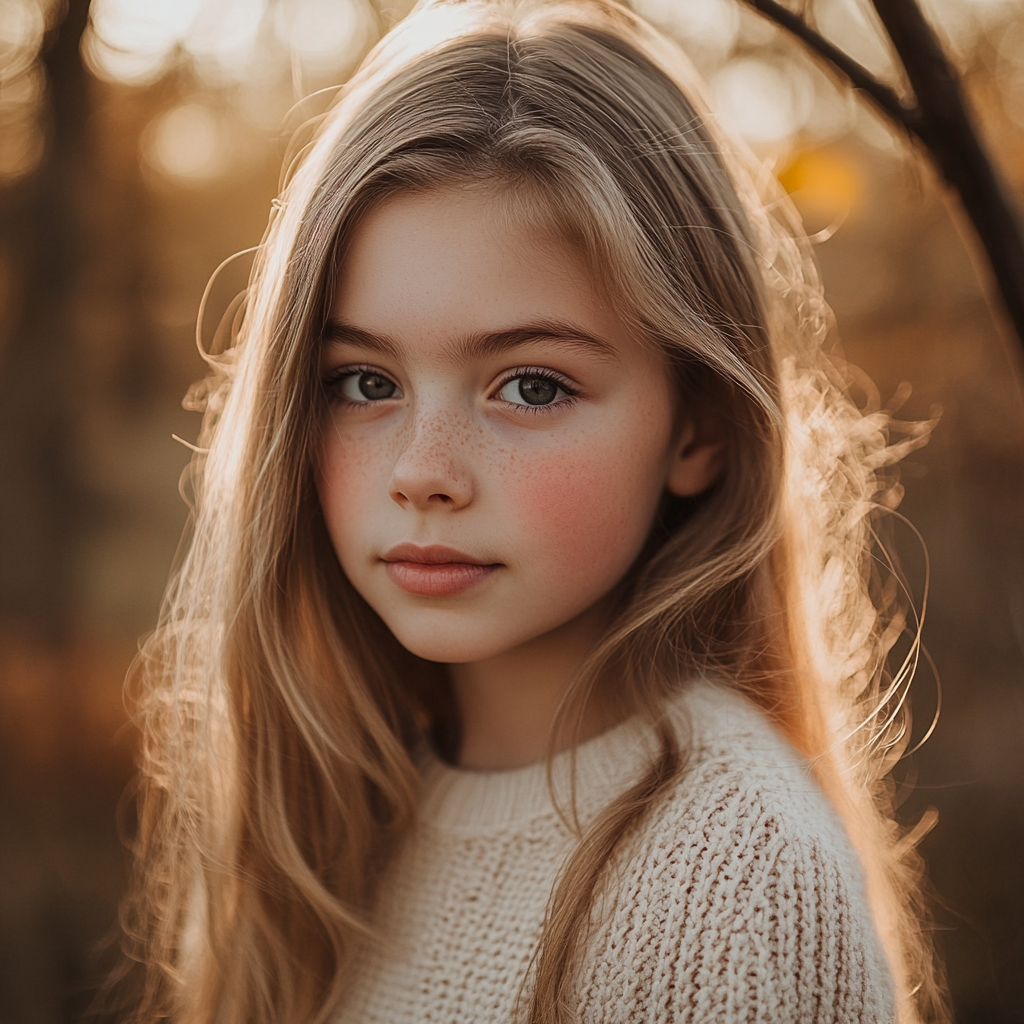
(445, 579)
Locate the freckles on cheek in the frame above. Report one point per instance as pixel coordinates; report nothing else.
(347, 477)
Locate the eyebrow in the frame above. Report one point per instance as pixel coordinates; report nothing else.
(481, 344)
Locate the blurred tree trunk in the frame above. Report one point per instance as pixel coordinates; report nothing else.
(939, 120)
(42, 501)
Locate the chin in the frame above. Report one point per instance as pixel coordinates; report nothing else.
(450, 643)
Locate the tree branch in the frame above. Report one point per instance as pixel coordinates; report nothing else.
(940, 121)
(947, 130)
(858, 76)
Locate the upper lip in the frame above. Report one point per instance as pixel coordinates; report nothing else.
(432, 554)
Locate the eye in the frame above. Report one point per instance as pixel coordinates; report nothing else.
(533, 389)
(362, 386)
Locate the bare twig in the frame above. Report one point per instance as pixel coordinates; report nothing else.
(947, 130)
(856, 74)
(940, 121)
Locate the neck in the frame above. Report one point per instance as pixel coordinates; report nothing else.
(507, 703)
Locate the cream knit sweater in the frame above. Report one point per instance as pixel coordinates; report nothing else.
(741, 900)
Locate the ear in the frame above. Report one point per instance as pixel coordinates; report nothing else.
(697, 460)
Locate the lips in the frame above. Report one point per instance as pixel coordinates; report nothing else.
(435, 570)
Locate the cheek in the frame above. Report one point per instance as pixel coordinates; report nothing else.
(348, 481)
(587, 509)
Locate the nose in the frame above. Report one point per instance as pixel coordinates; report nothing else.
(430, 472)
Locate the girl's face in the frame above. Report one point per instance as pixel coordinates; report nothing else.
(498, 442)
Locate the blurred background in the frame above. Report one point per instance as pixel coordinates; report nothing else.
(140, 144)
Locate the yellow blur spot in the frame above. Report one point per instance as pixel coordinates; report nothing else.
(186, 144)
(823, 183)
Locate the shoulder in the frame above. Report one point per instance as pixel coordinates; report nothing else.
(741, 774)
(742, 898)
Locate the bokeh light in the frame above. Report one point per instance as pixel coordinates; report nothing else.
(153, 27)
(22, 24)
(324, 34)
(21, 137)
(128, 67)
(762, 102)
(21, 146)
(826, 184)
(710, 25)
(131, 41)
(228, 41)
(853, 26)
(224, 39)
(22, 87)
(187, 143)
(961, 23)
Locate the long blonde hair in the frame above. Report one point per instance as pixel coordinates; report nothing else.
(277, 712)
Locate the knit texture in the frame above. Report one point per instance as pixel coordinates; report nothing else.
(740, 900)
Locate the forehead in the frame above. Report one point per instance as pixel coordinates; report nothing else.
(450, 263)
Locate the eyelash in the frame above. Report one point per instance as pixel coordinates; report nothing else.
(335, 377)
(520, 373)
(539, 373)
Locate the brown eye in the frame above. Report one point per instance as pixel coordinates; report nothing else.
(532, 390)
(364, 386)
(537, 391)
(373, 386)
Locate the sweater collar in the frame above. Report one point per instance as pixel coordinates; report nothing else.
(465, 800)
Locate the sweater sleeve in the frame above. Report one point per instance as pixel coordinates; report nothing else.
(744, 905)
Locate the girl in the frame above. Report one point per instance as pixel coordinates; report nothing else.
(522, 663)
